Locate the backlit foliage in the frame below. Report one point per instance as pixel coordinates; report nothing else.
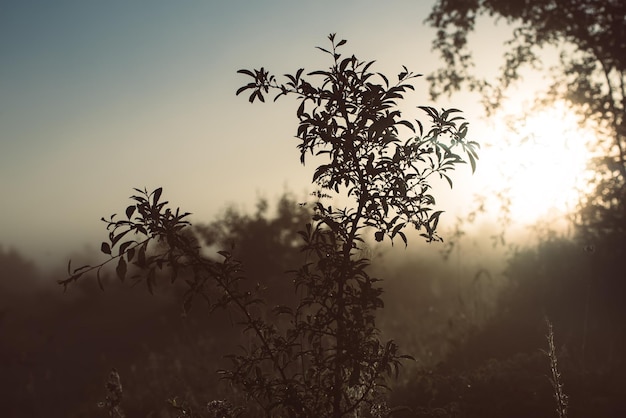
(322, 356)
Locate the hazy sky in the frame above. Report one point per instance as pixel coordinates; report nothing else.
(98, 97)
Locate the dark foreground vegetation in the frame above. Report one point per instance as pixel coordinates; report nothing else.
(58, 348)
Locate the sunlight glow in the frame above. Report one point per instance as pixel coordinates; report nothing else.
(535, 165)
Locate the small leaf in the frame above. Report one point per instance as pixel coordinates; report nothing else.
(322, 49)
(121, 269)
(384, 79)
(99, 280)
(407, 124)
(156, 196)
(403, 236)
(421, 127)
(118, 237)
(472, 162)
(105, 248)
(124, 247)
(344, 64)
(247, 72)
(300, 111)
(130, 210)
(320, 72)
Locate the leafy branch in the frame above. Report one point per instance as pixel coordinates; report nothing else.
(152, 221)
(354, 122)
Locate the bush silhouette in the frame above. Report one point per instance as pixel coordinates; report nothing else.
(321, 356)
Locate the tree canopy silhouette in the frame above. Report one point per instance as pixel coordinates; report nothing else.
(590, 36)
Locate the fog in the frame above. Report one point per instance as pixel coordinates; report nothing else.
(453, 306)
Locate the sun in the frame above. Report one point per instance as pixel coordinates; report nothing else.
(535, 166)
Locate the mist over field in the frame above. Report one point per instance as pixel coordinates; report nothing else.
(58, 347)
(457, 307)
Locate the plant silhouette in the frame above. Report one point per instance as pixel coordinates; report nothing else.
(323, 356)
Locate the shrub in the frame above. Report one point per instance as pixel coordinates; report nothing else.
(323, 356)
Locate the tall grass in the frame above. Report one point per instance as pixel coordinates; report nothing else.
(557, 384)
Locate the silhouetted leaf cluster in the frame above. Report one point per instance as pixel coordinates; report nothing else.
(351, 118)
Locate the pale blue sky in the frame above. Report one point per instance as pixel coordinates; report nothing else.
(98, 97)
